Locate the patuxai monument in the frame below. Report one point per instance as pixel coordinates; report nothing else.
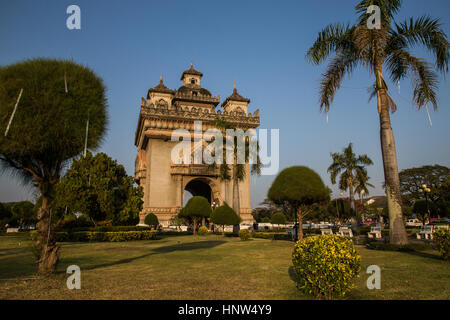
(165, 182)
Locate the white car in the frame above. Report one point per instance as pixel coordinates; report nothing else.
(414, 223)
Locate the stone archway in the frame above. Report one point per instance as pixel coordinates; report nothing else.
(205, 187)
(199, 187)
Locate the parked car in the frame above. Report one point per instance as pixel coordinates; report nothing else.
(414, 223)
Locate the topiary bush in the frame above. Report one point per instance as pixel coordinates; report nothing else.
(195, 209)
(325, 265)
(441, 240)
(225, 216)
(151, 220)
(202, 231)
(245, 234)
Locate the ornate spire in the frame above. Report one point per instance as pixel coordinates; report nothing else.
(235, 96)
(191, 71)
(161, 88)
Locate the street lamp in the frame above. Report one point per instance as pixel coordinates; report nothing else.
(425, 190)
(337, 207)
(363, 192)
(213, 206)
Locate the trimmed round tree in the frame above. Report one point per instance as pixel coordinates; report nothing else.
(298, 187)
(45, 105)
(196, 208)
(225, 216)
(278, 218)
(151, 220)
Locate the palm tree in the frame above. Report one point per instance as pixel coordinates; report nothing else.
(238, 171)
(362, 184)
(349, 167)
(385, 48)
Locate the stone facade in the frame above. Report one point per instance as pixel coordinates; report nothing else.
(164, 183)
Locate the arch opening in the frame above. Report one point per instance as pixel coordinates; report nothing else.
(198, 187)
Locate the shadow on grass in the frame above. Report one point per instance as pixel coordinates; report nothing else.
(19, 250)
(161, 250)
(293, 275)
(423, 254)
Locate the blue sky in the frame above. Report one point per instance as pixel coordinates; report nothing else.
(260, 44)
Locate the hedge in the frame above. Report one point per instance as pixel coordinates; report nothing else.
(94, 236)
(176, 233)
(411, 247)
(105, 229)
(244, 234)
(271, 236)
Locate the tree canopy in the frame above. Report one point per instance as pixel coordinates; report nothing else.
(151, 220)
(352, 171)
(278, 218)
(49, 125)
(100, 188)
(196, 208)
(299, 186)
(45, 106)
(224, 215)
(412, 179)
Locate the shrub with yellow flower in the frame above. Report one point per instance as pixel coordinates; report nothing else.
(326, 265)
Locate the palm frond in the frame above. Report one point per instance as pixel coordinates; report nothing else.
(333, 38)
(342, 64)
(425, 81)
(427, 32)
(388, 9)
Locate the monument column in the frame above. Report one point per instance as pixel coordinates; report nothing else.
(179, 192)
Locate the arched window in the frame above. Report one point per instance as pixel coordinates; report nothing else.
(163, 104)
(193, 81)
(239, 110)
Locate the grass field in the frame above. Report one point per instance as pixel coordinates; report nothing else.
(211, 267)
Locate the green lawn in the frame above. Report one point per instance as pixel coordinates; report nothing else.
(211, 267)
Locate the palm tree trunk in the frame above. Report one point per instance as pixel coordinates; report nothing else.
(351, 195)
(397, 231)
(236, 199)
(236, 202)
(45, 247)
(352, 205)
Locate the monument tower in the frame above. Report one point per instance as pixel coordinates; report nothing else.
(165, 110)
